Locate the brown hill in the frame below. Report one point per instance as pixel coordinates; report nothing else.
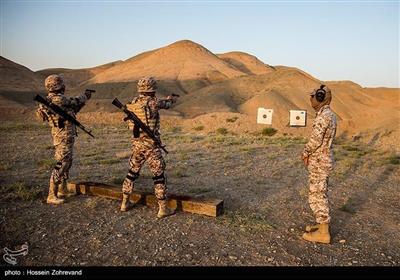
(360, 111)
(75, 77)
(246, 63)
(15, 77)
(188, 64)
(217, 88)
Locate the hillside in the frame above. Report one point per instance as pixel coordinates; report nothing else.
(246, 63)
(15, 77)
(214, 88)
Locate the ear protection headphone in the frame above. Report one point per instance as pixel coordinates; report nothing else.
(320, 94)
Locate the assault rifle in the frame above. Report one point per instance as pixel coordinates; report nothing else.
(133, 117)
(56, 109)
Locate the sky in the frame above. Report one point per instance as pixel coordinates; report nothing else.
(331, 40)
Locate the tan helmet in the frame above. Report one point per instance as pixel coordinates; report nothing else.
(54, 83)
(147, 84)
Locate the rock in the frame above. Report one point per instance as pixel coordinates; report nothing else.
(342, 241)
(233, 258)
(270, 259)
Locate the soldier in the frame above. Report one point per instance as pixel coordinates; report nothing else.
(63, 133)
(146, 107)
(318, 157)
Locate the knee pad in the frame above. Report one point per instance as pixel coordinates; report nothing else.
(132, 176)
(160, 179)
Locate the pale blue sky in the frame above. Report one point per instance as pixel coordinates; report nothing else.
(335, 40)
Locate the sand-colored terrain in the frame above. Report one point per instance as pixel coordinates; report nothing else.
(214, 88)
(216, 151)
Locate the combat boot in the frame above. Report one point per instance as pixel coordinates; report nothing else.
(126, 204)
(52, 197)
(163, 210)
(63, 191)
(321, 235)
(312, 227)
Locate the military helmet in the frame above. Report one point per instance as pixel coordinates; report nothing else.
(147, 84)
(54, 83)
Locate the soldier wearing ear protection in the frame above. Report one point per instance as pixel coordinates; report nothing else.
(318, 157)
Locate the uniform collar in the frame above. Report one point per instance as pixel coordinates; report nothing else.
(323, 108)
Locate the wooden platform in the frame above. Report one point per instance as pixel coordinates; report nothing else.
(208, 207)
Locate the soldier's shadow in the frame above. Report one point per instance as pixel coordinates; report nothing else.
(358, 200)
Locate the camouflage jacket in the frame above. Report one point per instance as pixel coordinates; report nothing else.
(71, 105)
(319, 147)
(146, 108)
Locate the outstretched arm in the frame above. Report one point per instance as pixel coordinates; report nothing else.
(167, 102)
(76, 103)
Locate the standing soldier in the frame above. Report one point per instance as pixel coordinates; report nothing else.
(63, 133)
(146, 107)
(318, 157)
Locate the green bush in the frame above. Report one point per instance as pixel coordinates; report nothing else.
(222, 131)
(232, 120)
(394, 159)
(176, 129)
(269, 131)
(198, 128)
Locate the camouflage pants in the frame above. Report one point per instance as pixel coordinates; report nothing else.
(63, 145)
(317, 197)
(142, 152)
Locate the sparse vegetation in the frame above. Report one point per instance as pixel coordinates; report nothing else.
(198, 128)
(47, 163)
(247, 220)
(118, 180)
(200, 190)
(348, 207)
(20, 191)
(232, 120)
(179, 172)
(175, 129)
(21, 126)
(108, 161)
(222, 131)
(394, 159)
(269, 131)
(355, 151)
(5, 166)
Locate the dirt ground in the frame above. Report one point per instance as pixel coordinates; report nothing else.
(260, 178)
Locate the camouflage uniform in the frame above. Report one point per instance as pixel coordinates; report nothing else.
(320, 162)
(146, 107)
(63, 132)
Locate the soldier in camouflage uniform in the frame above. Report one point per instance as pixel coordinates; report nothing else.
(146, 107)
(63, 133)
(318, 157)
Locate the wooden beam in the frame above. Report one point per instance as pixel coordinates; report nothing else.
(208, 207)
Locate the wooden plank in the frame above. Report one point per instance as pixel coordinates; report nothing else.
(208, 207)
